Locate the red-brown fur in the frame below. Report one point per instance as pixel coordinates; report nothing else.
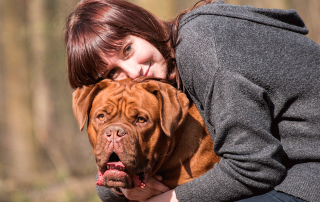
(173, 142)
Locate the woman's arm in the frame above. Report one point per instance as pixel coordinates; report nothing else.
(251, 157)
(169, 196)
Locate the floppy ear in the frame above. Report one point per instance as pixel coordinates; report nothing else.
(81, 103)
(82, 99)
(174, 105)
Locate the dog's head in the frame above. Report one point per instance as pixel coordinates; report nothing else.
(130, 126)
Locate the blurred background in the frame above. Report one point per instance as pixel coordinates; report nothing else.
(43, 155)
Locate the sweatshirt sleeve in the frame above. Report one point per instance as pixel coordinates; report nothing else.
(238, 117)
(238, 114)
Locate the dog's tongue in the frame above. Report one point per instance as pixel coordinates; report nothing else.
(140, 179)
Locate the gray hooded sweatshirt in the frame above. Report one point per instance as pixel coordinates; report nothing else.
(255, 79)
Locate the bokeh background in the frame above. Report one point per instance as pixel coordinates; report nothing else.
(43, 155)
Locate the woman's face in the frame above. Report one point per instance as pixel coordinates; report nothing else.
(137, 57)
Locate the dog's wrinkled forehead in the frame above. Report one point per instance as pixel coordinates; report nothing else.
(120, 91)
(124, 96)
(112, 93)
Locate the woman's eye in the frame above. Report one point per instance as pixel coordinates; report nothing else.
(141, 120)
(101, 117)
(127, 50)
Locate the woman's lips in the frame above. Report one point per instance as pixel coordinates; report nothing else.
(146, 74)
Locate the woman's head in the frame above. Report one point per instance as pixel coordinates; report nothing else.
(100, 29)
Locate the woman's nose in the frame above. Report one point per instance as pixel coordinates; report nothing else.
(131, 70)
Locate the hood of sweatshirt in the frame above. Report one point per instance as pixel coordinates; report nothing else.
(284, 19)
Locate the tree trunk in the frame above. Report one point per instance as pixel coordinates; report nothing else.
(2, 96)
(19, 138)
(42, 104)
(38, 52)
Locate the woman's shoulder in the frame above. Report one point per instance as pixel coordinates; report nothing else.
(283, 19)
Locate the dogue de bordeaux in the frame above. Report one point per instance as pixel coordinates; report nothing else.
(138, 129)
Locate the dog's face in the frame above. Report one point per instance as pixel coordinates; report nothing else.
(130, 127)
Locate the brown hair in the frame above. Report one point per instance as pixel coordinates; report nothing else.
(99, 26)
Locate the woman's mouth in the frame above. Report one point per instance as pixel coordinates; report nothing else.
(146, 74)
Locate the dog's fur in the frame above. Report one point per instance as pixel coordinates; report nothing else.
(144, 128)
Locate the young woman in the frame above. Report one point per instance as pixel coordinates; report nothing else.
(252, 73)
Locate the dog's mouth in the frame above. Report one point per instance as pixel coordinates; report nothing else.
(114, 174)
(114, 163)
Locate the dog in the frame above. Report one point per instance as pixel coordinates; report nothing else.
(141, 128)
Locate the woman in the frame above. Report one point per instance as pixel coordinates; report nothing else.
(251, 72)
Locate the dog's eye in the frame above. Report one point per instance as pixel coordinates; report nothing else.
(141, 120)
(101, 117)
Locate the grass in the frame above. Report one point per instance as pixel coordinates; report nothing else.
(50, 189)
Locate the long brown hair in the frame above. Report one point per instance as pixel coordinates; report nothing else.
(97, 27)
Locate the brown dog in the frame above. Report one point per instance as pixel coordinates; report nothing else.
(138, 129)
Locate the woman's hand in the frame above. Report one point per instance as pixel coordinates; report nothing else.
(169, 196)
(153, 187)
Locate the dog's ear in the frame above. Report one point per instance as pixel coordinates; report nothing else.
(82, 99)
(81, 103)
(174, 105)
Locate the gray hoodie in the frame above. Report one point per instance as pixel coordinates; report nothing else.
(254, 77)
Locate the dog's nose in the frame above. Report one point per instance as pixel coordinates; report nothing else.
(115, 132)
